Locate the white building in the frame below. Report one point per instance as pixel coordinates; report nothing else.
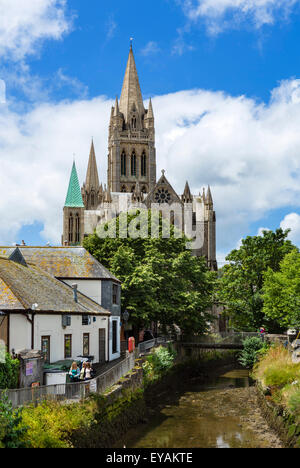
(41, 312)
(75, 265)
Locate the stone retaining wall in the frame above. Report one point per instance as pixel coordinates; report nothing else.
(120, 408)
(280, 420)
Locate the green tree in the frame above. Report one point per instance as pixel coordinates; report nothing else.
(241, 281)
(161, 280)
(281, 292)
(253, 348)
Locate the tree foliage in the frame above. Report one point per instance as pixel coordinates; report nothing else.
(281, 292)
(9, 372)
(159, 362)
(241, 281)
(252, 349)
(161, 280)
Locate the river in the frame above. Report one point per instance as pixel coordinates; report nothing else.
(222, 413)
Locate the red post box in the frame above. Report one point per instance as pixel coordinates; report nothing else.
(131, 344)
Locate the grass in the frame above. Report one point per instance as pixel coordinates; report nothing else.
(277, 371)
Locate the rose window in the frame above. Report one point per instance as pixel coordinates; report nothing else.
(162, 196)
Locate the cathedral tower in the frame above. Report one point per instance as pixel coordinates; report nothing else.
(131, 142)
(132, 170)
(73, 224)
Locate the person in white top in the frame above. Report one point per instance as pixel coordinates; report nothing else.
(88, 371)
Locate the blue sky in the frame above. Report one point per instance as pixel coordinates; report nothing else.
(241, 60)
(64, 61)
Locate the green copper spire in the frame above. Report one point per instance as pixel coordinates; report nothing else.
(74, 197)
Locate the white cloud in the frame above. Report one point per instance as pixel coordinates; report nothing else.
(292, 221)
(111, 27)
(62, 80)
(151, 48)
(36, 155)
(221, 259)
(248, 152)
(221, 14)
(25, 24)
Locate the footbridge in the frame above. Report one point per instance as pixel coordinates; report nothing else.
(225, 340)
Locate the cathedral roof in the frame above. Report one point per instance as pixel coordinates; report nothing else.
(74, 197)
(92, 179)
(131, 92)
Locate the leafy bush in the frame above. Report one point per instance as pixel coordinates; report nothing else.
(276, 368)
(253, 346)
(51, 424)
(11, 434)
(9, 372)
(159, 362)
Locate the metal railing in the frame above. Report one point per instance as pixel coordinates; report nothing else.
(72, 391)
(234, 338)
(80, 390)
(146, 346)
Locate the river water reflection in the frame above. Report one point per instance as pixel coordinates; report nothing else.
(220, 414)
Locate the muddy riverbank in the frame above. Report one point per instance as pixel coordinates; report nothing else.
(205, 412)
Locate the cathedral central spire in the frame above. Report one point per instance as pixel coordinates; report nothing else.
(131, 96)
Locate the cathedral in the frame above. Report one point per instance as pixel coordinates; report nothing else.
(132, 178)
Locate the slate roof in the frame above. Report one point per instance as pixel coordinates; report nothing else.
(22, 286)
(63, 262)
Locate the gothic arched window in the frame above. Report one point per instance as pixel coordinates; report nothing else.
(123, 164)
(133, 122)
(172, 218)
(71, 227)
(143, 164)
(123, 189)
(92, 199)
(77, 228)
(133, 164)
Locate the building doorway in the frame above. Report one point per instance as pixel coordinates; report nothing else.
(102, 345)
